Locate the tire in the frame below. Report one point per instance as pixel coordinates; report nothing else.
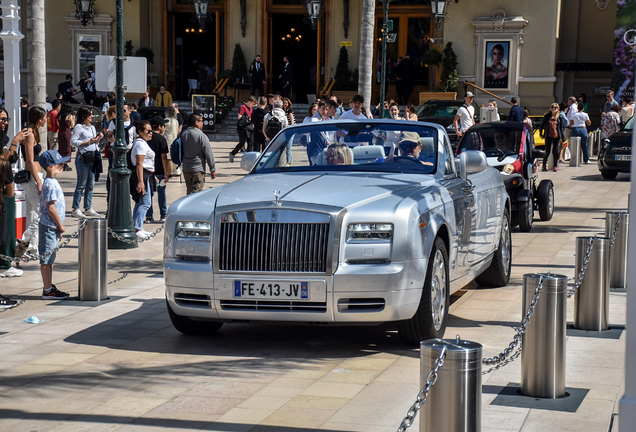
(545, 200)
(191, 327)
(525, 214)
(431, 317)
(609, 175)
(498, 274)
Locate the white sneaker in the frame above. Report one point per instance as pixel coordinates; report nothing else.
(91, 212)
(142, 235)
(78, 214)
(13, 272)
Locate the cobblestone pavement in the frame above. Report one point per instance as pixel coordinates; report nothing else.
(120, 365)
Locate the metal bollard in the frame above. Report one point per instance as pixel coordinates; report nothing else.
(92, 260)
(575, 151)
(618, 254)
(591, 302)
(543, 353)
(454, 404)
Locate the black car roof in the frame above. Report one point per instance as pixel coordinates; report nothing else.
(511, 125)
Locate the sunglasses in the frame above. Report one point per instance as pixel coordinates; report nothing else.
(330, 156)
(5, 120)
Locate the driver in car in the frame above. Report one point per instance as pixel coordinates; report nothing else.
(411, 148)
(501, 142)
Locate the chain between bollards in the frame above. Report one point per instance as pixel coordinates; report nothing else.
(33, 257)
(137, 240)
(422, 396)
(615, 231)
(524, 324)
(586, 262)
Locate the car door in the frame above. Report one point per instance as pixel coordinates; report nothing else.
(479, 186)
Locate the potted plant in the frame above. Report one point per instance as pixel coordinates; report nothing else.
(344, 85)
(449, 79)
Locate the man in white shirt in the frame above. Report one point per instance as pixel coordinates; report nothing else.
(465, 116)
(357, 101)
(572, 108)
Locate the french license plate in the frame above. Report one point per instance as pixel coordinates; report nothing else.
(288, 290)
(627, 158)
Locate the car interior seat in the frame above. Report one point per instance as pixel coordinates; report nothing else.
(367, 154)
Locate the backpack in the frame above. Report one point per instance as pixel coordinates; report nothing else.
(176, 152)
(274, 125)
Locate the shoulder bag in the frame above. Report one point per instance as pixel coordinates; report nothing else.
(23, 176)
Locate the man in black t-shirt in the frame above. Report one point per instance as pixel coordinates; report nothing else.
(67, 90)
(159, 145)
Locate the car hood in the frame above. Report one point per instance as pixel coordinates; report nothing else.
(442, 121)
(342, 190)
(621, 138)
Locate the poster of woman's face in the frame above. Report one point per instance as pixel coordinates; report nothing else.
(496, 73)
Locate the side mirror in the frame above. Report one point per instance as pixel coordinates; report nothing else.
(248, 160)
(471, 162)
(538, 154)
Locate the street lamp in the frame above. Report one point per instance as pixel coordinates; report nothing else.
(385, 35)
(201, 13)
(438, 8)
(313, 12)
(84, 11)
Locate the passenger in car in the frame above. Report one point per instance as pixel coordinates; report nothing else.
(338, 154)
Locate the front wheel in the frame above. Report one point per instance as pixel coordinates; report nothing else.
(191, 327)
(609, 175)
(525, 213)
(498, 274)
(430, 319)
(545, 200)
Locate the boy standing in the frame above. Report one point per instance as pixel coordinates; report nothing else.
(51, 226)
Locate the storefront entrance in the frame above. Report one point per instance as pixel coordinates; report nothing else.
(290, 36)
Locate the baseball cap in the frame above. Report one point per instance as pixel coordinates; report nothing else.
(469, 94)
(52, 157)
(158, 121)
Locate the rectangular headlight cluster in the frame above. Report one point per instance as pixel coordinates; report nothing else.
(193, 230)
(370, 232)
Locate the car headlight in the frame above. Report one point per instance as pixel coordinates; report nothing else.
(370, 232)
(193, 230)
(606, 143)
(451, 127)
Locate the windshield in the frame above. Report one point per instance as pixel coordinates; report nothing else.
(495, 142)
(439, 109)
(629, 125)
(391, 146)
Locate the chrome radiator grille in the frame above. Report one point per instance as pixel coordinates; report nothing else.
(274, 247)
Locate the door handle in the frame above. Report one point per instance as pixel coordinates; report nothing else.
(468, 188)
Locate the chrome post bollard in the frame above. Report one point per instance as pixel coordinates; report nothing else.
(591, 301)
(618, 243)
(543, 353)
(575, 151)
(454, 404)
(92, 260)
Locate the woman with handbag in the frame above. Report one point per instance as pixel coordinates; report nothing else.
(142, 180)
(244, 127)
(31, 179)
(552, 130)
(85, 140)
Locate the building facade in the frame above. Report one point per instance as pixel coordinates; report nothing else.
(551, 49)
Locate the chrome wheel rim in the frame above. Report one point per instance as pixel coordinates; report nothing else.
(530, 211)
(506, 245)
(438, 290)
(551, 201)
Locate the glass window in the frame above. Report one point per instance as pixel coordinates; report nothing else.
(495, 142)
(89, 46)
(391, 49)
(395, 146)
(448, 157)
(417, 43)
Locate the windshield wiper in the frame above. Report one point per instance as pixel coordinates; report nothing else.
(505, 155)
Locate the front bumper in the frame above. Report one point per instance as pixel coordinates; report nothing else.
(607, 162)
(360, 293)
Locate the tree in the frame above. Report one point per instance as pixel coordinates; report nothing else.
(449, 80)
(343, 74)
(239, 64)
(36, 56)
(365, 63)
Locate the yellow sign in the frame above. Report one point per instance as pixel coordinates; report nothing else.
(346, 43)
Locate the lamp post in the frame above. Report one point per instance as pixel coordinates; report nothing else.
(313, 11)
(119, 211)
(84, 11)
(201, 16)
(11, 38)
(438, 7)
(385, 35)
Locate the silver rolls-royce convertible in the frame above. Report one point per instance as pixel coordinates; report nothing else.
(343, 223)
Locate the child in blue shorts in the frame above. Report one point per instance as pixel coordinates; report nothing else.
(51, 226)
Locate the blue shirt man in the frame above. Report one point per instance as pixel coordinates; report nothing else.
(516, 113)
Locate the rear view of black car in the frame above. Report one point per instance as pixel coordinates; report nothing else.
(616, 152)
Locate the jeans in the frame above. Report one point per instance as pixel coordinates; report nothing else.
(85, 183)
(161, 196)
(32, 198)
(141, 207)
(49, 237)
(582, 133)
